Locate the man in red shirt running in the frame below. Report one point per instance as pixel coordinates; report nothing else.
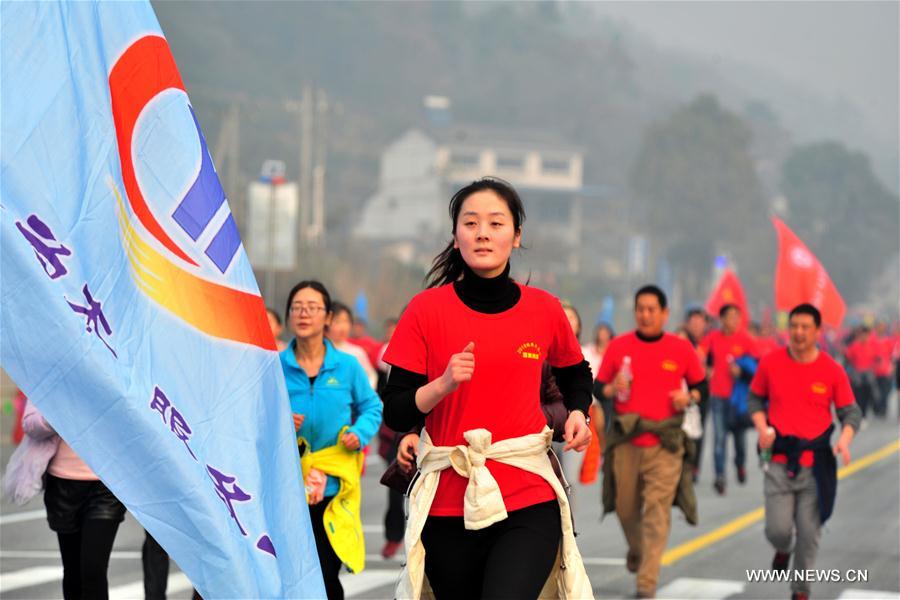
(884, 367)
(653, 376)
(722, 348)
(800, 384)
(860, 357)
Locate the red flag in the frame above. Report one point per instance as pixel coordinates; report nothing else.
(728, 291)
(800, 277)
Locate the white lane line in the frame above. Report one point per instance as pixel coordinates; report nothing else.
(603, 562)
(118, 554)
(178, 582)
(33, 515)
(369, 579)
(23, 578)
(398, 558)
(690, 588)
(851, 594)
(20, 517)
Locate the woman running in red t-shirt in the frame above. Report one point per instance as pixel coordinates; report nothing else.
(467, 355)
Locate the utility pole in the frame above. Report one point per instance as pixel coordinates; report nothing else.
(226, 157)
(316, 229)
(306, 161)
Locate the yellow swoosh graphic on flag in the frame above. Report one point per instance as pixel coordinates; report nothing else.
(214, 309)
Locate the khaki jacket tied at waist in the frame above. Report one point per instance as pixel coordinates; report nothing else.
(671, 438)
(483, 505)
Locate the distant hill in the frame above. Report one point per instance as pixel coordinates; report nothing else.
(542, 66)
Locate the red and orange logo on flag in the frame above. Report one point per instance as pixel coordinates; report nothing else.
(162, 267)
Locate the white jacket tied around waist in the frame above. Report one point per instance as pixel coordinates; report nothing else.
(483, 505)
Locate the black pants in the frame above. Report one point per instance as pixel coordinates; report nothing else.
(510, 559)
(155, 561)
(897, 375)
(883, 386)
(394, 518)
(85, 516)
(863, 385)
(85, 557)
(329, 561)
(704, 410)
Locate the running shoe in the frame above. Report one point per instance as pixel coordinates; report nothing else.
(390, 549)
(781, 561)
(719, 486)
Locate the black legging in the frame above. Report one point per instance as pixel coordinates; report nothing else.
(328, 560)
(863, 385)
(155, 561)
(85, 556)
(510, 559)
(394, 518)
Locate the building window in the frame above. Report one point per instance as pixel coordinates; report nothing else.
(464, 159)
(509, 163)
(555, 165)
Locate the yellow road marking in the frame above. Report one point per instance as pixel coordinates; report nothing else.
(752, 517)
(868, 460)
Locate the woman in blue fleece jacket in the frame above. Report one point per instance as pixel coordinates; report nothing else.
(328, 390)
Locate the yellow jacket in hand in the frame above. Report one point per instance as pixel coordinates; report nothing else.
(342, 515)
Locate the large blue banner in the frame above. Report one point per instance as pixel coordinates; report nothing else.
(130, 314)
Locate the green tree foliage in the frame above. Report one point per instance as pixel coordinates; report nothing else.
(843, 213)
(697, 194)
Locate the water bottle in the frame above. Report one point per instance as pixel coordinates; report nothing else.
(625, 370)
(765, 455)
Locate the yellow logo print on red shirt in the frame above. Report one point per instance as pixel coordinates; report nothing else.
(669, 365)
(529, 350)
(819, 388)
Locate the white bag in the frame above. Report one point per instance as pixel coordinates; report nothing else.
(24, 477)
(693, 424)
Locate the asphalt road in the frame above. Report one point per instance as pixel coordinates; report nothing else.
(707, 561)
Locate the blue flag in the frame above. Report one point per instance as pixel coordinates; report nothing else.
(607, 310)
(361, 307)
(130, 315)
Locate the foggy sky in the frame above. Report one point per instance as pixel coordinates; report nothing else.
(843, 49)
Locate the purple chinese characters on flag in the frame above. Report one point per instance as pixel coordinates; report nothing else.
(130, 314)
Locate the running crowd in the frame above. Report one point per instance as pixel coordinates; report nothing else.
(479, 389)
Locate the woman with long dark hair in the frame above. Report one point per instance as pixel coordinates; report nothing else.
(488, 516)
(336, 412)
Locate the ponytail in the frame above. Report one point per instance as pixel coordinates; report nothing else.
(445, 268)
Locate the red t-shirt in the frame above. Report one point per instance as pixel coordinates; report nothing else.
(371, 346)
(766, 344)
(884, 356)
(722, 347)
(504, 393)
(657, 369)
(861, 355)
(800, 395)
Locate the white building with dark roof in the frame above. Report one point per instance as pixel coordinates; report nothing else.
(420, 171)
